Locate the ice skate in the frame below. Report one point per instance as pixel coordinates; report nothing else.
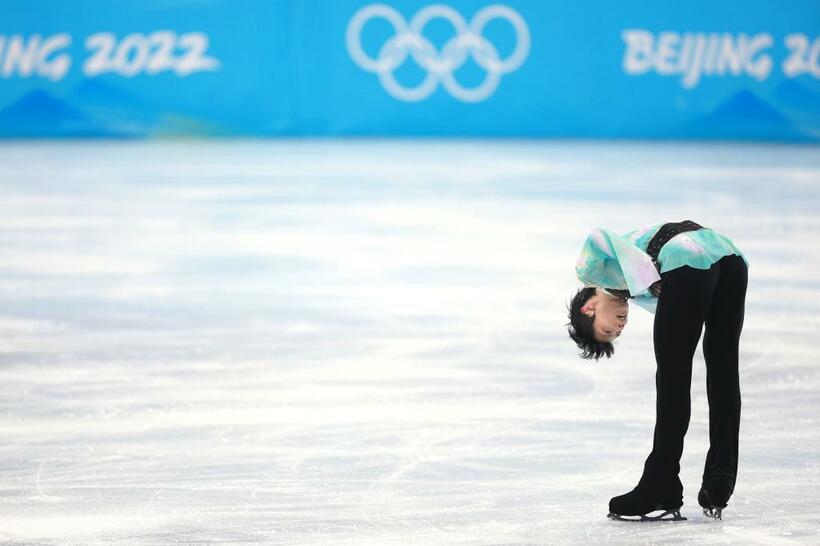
(636, 506)
(711, 509)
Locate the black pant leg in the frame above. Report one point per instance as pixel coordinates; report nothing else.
(721, 341)
(679, 319)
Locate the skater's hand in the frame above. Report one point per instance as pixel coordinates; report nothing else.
(656, 288)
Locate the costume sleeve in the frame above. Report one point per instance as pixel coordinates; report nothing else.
(647, 301)
(608, 260)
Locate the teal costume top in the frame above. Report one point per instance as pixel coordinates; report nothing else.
(609, 260)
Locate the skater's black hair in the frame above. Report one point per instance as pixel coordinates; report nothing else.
(581, 330)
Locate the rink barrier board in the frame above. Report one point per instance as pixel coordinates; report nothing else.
(734, 70)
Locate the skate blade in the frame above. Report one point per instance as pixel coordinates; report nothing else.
(714, 512)
(668, 515)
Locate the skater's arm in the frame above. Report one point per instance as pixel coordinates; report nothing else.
(649, 299)
(608, 260)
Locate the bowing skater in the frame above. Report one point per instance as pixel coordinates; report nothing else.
(688, 276)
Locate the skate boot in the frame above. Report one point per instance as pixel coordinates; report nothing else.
(713, 500)
(639, 506)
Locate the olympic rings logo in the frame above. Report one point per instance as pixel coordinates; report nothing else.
(440, 66)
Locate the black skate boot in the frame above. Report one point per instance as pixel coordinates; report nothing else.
(639, 506)
(714, 497)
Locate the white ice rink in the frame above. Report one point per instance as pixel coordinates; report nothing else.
(326, 343)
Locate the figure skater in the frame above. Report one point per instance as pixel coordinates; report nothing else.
(688, 276)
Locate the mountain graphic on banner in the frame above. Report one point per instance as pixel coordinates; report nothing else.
(98, 92)
(745, 116)
(123, 111)
(135, 116)
(41, 114)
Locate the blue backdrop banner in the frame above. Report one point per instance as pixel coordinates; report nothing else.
(528, 68)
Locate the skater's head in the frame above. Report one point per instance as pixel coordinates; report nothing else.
(596, 318)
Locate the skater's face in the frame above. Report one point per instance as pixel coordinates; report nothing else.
(609, 315)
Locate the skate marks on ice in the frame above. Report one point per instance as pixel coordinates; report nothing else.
(363, 343)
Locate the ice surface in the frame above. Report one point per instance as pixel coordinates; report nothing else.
(363, 343)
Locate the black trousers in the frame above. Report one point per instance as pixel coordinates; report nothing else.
(689, 299)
